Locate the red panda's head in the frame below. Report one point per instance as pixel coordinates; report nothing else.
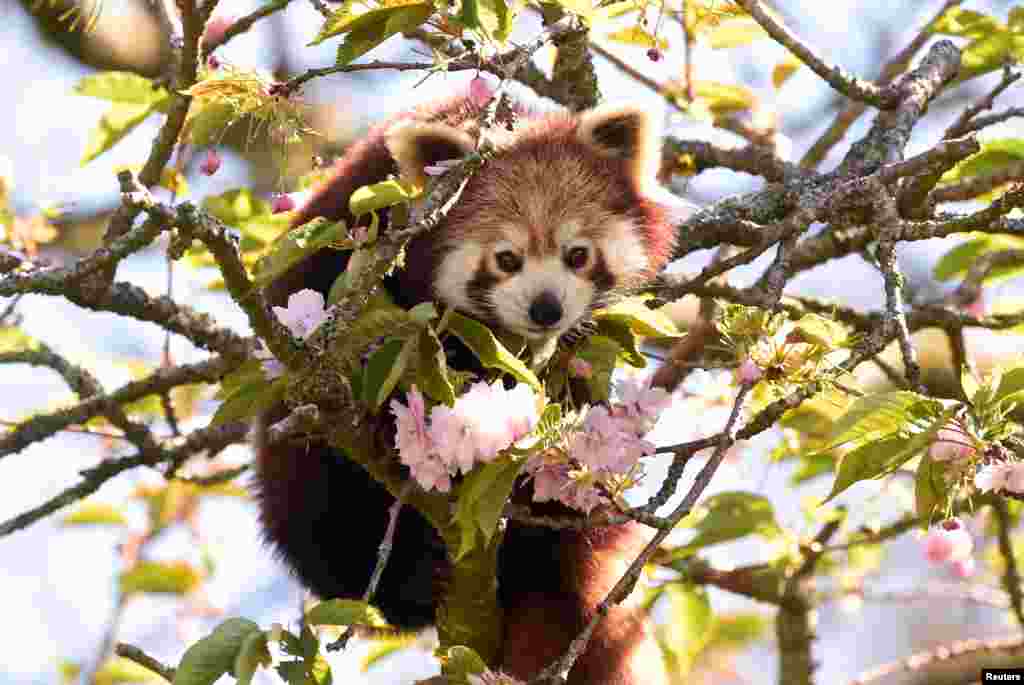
(553, 224)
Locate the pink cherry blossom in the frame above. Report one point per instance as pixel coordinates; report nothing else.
(1015, 477)
(304, 313)
(640, 400)
(216, 27)
(948, 542)
(210, 163)
(451, 438)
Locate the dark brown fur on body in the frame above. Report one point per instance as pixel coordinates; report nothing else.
(326, 517)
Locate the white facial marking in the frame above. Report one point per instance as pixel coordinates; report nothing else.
(455, 270)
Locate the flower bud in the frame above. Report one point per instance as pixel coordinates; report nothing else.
(282, 202)
(749, 372)
(210, 164)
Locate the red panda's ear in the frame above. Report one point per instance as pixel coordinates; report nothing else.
(624, 131)
(417, 145)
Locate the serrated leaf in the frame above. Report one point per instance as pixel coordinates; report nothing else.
(95, 513)
(366, 31)
(366, 199)
(115, 124)
(160, 577)
(489, 350)
(253, 654)
(121, 87)
(432, 369)
(729, 516)
(384, 369)
(881, 414)
(295, 246)
(878, 458)
(214, 655)
(641, 319)
(482, 497)
(637, 35)
(249, 400)
(345, 612)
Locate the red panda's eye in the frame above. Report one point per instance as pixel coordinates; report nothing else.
(508, 261)
(576, 258)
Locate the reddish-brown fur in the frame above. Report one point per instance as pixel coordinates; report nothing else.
(326, 517)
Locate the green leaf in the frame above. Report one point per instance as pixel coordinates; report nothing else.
(462, 662)
(117, 670)
(249, 400)
(929, 489)
(253, 654)
(384, 646)
(993, 157)
(602, 354)
(214, 655)
(13, 339)
(482, 497)
(115, 124)
(295, 246)
(819, 330)
(877, 458)
(161, 577)
(737, 630)
(729, 516)
(689, 626)
(209, 120)
(1011, 382)
(366, 199)
(384, 369)
(249, 372)
(498, 16)
(345, 612)
(871, 460)
(731, 33)
(966, 23)
(469, 15)
(641, 319)
(637, 35)
(881, 415)
(958, 261)
(986, 54)
(368, 30)
(489, 350)
(432, 369)
(95, 513)
(121, 87)
(629, 342)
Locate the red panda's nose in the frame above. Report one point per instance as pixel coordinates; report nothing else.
(546, 309)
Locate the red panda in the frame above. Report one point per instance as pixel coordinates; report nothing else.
(556, 222)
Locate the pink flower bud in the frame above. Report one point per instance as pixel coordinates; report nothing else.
(212, 63)
(949, 542)
(480, 92)
(937, 547)
(282, 202)
(976, 308)
(749, 372)
(964, 568)
(654, 54)
(580, 368)
(210, 164)
(952, 443)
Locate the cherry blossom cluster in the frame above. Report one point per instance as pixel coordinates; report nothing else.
(951, 543)
(485, 420)
(607, 447)
(1007, 476)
